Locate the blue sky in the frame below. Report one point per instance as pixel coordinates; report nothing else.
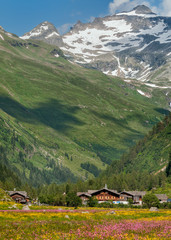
(20, 16)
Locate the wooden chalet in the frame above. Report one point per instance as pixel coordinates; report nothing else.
(102, 195)
(136, 196)
(106, 194)
(19, 196)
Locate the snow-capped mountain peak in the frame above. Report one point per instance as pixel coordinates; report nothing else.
(45, 30)
(140, 11)
(129, 44)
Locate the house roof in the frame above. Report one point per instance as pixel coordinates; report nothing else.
(22, 193)
(79, 194)
(92, 191)
(134, 193)
(162, 197)
(105, 189)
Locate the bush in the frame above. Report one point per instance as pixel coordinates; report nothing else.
(92, 202)
(150, 200)
(73, 200)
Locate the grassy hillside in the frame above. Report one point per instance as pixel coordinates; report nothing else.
(65, 117)
(151, 154)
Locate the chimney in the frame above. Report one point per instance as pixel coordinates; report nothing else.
(106, 186)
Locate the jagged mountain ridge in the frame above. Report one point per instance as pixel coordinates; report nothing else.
(130, 44)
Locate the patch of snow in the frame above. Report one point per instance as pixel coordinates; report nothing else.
(32, 34)
(87, 60)
(81, 62)
(106, 72)
(169, 54)
(128, 73)
(165, 37)
(44, 27)
(1, 37)
(159, 31)
(125, 80)
(9, 34)
(52, 34)
(89, 39)
(156, 30)
(120, 26)
(90, 54)
(133, 13)
(25, 37)
(143, 94)
(155, 86)
(114, 73)
(145, 73)
(35, 32)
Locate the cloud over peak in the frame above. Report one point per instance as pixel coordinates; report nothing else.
(164, 7)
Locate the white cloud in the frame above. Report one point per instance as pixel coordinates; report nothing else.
(166, 8)
(127, 5)
(116, 4)
(65, 28)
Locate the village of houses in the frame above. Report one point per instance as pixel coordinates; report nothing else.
(102, 195)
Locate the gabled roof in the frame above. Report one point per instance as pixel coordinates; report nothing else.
(134, 193)
(22, 193)
(114, 192)
(92, 191)
(162, 197)
(79, 194)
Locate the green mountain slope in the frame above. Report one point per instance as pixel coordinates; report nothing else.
(65, 117)
(151, 154)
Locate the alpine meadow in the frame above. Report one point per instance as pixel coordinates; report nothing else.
(85, 124)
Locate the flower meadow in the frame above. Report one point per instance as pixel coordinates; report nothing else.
(85, 223)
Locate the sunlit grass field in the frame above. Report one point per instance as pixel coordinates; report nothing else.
(85, 223)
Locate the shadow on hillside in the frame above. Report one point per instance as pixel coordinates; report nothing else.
(163, 111)
(53, 113)
(120, 122)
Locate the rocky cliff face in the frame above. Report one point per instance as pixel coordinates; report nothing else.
(130, 44)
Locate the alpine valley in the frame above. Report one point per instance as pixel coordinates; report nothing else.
(71, 105)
